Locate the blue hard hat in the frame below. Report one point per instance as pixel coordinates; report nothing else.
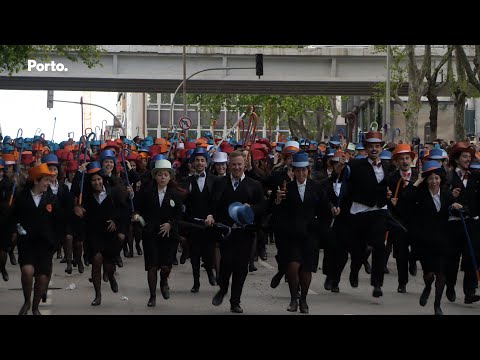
(300, 159)
(435, 154)
(241, 214)
(199, 152)
(49, 159)
(385, 155)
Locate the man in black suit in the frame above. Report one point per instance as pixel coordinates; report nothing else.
(368, 192)
(235, 251)
(199, 205)
(398, 182)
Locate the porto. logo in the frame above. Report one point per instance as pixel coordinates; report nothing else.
(51, 66)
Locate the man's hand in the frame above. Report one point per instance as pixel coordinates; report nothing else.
(456, 192)
(335, 211)
(79, 211)
(111, 226)
(209, 221)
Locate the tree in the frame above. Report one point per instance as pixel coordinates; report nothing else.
(473, 75)
(433, 88)
(14, 58)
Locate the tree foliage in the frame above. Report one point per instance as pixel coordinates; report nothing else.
(14, 58)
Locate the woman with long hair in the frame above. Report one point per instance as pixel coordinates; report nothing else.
(102, 208)
(430, 199)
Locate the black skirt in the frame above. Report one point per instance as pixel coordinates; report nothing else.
(36, 253)
(304, 250)
(106, 243)
(158, 251)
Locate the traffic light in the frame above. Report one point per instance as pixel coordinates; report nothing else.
(50, 99)
(259, 65)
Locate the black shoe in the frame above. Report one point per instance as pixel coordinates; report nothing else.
(451, 295)
(402, 289)
(293, 307)
(165, 290)
(368, 268)
(377, 291)
(353, 279)
(425, 295)
(385, 270)
(335, 289)
(63, 261)
(59, 255)
(5, 275)
(438, 310)
(105, 276)
(113, 284)
(97, 301)
(139, 250)
(328, 284)
(44, 298)
(85, 261)
(195, 288)
(218, 298)
(13, 259)
(236, 309)
(276, 280)
(74, 263)
(81, 268)
(175, 261)
(263, 256)
(69, 269)
(152, 301)
(412, 269)
(470, 299)
(252, 267)
(211, 278)
(119, 261)
(302, 304)
(128, 254)
(24, 309)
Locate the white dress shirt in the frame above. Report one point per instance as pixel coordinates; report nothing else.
(301, 189)
(37, 198)
(358, 207)
(161, 195)
(102, 196)
(201, 181)
(461, 173)
(54, 187)
(379, 174)
(235, 180)
(69, 184)
(336, 187)
(436, 199)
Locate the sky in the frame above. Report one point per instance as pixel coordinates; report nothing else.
(28, 110)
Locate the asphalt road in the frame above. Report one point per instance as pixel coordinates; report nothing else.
(257, 298)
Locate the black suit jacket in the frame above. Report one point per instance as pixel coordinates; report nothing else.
(468, 195)
(363, 185)
(194, 209)
(249, 191)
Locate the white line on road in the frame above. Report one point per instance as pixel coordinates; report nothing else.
(311, 292)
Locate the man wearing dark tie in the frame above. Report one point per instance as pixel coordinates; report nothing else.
(235, 251)
(368, 193)
(199, 205)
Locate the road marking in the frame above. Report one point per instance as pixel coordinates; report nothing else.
(311, 292)
(267, 265)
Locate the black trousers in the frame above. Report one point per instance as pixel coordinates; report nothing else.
(370, 228)
(235, 256)
(280, 239)
(458, 247)
(202, 245)
(336, 256)
(401, 251)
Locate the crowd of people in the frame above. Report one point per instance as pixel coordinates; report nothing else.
(220, 202)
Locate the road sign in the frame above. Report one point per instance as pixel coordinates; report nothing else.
(185, 123)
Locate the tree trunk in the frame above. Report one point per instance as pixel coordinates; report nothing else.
(459, 104)
(433, 100)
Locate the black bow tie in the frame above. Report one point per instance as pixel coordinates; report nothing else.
(199, 175)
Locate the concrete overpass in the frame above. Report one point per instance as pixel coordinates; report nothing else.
(332, 70)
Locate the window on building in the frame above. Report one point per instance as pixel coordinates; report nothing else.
(427, 133)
